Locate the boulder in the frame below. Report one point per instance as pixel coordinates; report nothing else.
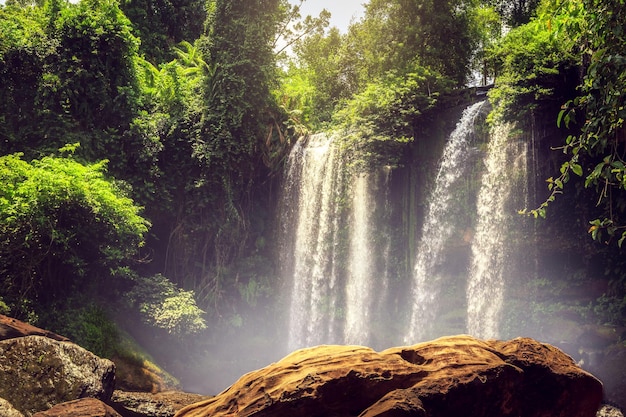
(145, 404)
(84, 407)
(607, 410)
(7, 410)
(451, 376)
(39, 372)
(11, 328)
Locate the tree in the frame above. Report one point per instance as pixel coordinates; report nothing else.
(588, 34)
(392, 40)
(219, 145)
(397, 34)
(69, 75)
(531, 63)
(162, 24)
(515, 12)
(321, 61)
(63, 228)
(293, 27)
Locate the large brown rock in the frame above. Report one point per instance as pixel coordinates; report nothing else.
(453, 376)
(38, 372)
(11, 328)
(84, 407)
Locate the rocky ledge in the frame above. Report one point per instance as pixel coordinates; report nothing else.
(450, 376)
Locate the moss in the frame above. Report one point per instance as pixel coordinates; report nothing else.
(136, 370)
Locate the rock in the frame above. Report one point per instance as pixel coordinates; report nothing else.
(84, 407)
(7, 410)
(39, 372)
(452, 376)
(162, 404)
(609, 411)
(11, 328)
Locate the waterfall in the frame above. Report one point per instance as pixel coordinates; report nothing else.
(505, 166)
(343, 269)
(360, 266)
(438, 227)
(334, 248)
(314, 186)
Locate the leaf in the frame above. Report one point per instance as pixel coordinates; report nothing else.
(577, 169)
(560, 117)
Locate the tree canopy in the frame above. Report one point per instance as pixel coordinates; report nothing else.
(50, 211)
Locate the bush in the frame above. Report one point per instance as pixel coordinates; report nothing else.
(165, 306)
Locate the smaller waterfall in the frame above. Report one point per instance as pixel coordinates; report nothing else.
(438, 227)
(491, 245)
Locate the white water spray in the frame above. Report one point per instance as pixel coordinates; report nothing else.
(330, 245)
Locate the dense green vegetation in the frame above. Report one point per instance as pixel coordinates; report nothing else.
(141, 141)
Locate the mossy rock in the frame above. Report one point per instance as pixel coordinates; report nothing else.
(141, 375)
(38, 373)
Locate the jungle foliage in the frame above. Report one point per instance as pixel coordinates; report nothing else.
(577, 46)
(194, 107)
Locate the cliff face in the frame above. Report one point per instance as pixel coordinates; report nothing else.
(450, 376)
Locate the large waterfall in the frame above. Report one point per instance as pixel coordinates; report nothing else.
(315, 189)
(438, 226)
(333, 252)
(340, 252)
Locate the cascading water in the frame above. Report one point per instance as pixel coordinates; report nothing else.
(438, 226)
(505, 165)
(337, 242)
(333, 266)
(314, 187)
(359, 283)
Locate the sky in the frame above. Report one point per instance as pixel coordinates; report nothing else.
(342, 11)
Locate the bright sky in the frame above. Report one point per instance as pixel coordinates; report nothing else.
(342, 11)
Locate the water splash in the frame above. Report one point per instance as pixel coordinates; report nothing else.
(438, 227)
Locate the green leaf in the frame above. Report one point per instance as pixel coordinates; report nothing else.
(577, 169)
